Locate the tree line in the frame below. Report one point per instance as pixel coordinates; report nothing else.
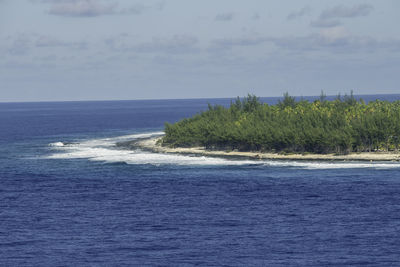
(340, 126)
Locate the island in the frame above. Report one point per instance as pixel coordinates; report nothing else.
(341, 129)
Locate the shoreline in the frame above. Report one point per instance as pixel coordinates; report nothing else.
(150, 144)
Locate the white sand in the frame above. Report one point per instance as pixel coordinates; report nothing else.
(151, 144)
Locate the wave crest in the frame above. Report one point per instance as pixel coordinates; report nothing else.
(57, 144)
(105, 150)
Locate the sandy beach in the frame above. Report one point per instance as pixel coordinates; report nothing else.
(150, 144)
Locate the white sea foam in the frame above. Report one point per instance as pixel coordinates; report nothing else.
(104, 150)
(334, 164)
(57, 144)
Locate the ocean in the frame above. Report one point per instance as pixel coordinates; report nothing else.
(70, 197)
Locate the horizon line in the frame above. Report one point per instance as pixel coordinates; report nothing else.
(165, 99)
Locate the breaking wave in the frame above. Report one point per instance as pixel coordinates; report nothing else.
(105, 150)
(58, 144)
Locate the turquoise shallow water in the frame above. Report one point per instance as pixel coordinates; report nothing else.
(68, 196)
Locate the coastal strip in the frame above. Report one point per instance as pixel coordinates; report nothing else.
(152, 144)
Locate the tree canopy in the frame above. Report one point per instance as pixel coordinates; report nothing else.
(340, 126)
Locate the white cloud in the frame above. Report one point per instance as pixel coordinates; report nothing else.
(177, 44)
(224, 17)
(330, 40)
(297, 14)
(82, 8)
(336, 40)
(334, 33)
(228, 43)
(330, 17)
(95, 8)
(346, 12)
(322, 23)
(50, 41)
(20, 45)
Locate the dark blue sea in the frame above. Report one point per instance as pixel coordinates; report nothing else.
(70, 197)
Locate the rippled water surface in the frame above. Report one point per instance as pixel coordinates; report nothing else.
(69, 196)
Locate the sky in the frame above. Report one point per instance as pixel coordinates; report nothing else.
(63, 50)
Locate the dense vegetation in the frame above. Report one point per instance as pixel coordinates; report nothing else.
(340, 126)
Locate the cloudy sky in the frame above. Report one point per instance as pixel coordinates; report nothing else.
(153, 49)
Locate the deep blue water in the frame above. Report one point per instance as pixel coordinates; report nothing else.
(68, 196)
